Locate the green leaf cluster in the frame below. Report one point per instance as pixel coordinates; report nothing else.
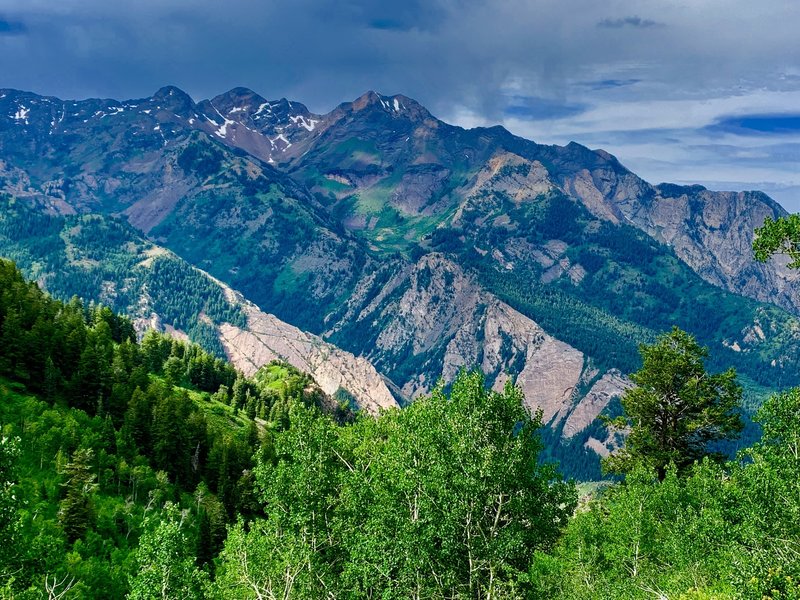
(719, 531)
(779, 236)
(443, 499)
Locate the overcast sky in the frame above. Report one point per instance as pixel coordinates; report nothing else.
(700, 91)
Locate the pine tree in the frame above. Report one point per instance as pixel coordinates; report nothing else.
(174, 370)
(76, 512)
(239, 393)
(676, 409)
(250, 405)
(52, 380)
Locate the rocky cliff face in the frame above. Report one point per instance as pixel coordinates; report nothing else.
(436, 317)
(711, 231)
(102, 259)
(266, 338)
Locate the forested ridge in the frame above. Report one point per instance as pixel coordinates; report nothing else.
(107, 438)
(93, 256)
(631, 289)
(154, 470)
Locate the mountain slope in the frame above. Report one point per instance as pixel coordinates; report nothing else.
(417, 245)
(711, 231)
(150, 161)
(105, 260)
(391, 168)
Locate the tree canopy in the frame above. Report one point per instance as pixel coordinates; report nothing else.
(677, 409)
(779, 236)
(445, 498)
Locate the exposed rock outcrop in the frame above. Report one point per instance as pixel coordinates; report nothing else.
(609, 386)
(710, 231)
(435, 316)
(267, 338)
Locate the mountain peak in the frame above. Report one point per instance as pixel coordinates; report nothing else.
(174, 98)
(238, 95)
(397, 104)
(170, 90)
(237, 100)
(246, 101)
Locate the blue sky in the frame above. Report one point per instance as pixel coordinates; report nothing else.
(690, 91)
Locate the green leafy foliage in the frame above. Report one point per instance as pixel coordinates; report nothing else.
(165, 564)
(154, 470)
(722, 531)
(9, 521)
(443, 499)
(779, 236)
(676, 409)
(120, 428)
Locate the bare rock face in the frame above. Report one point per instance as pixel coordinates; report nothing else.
(550, 377)
(710, 231)
(519, 178)
(713, 233)
(611, 385)
(435, 316)
(268, 338)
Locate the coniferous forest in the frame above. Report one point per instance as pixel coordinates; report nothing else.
(152, 469)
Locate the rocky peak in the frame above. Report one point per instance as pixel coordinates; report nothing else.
(246, 106)
(241, 98)
(24, 108)
(397, 106)
(175, 99)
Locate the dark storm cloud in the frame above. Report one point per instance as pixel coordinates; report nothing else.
(536, 109)
(453, 55)
(759, 124)
(605, 84)
(388, 24)
(633, 21)
(12, 27)
(552, 70)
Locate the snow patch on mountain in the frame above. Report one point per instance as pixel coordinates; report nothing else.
(309, 124)
(22, 114)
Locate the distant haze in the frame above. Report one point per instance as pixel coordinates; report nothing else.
(706, 91)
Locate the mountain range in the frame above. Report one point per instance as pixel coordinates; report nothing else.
(382, 249)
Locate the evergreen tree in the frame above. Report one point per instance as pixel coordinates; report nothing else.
(174, 370)
(76, 511)
(677, 409)
(12, 341)
(239, 393)
(52, 380)
(222, 395)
